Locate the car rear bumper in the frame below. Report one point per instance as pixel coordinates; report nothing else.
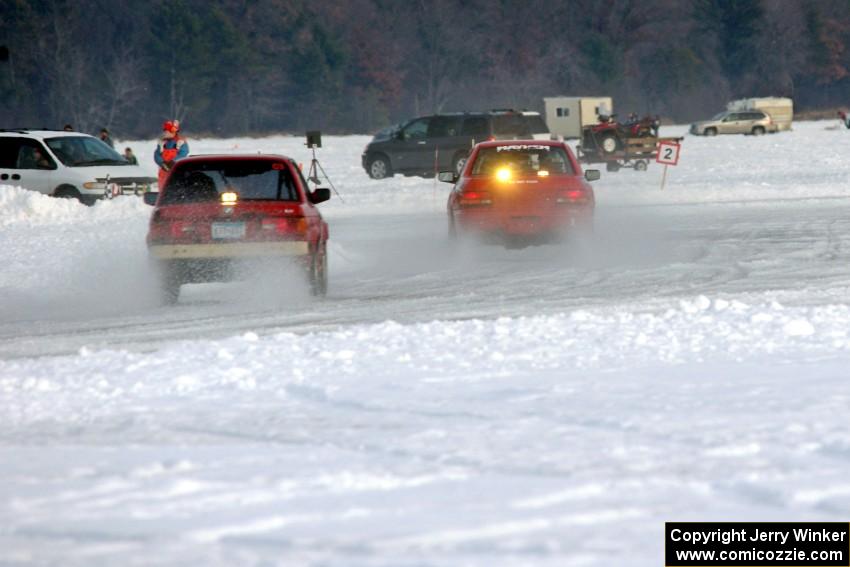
(229, 250)
(523, 225)
(198, 263)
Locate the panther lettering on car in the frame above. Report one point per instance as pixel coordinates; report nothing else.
(521, 148)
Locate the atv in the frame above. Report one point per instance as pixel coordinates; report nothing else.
(609, 136)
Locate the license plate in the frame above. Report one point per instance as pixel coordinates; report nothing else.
(228, 230)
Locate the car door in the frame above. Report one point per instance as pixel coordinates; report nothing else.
(731, 124)
(754, 119)
(410, 150)
(26, 163)
(443, 142)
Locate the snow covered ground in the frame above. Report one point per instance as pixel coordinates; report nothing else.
(551, 406)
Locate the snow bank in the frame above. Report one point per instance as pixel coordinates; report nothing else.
(699, 330)
(19, 207)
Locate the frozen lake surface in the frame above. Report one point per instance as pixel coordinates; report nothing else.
(444, 405)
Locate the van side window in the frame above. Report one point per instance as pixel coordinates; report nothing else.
(416, 130)
(475, 126)
(9, 152)
(443, 127)
(32, 155)
(23, 153)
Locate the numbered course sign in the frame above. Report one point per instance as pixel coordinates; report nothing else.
(668, 153)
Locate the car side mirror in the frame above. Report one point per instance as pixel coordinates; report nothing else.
(447, 176)
(320, 195)
(591, 174)
(150, 198)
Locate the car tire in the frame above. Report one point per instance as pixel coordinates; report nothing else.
(641, 165)
(710, 131)
(318, 274)
(458, 163)
(67, 192)
(758, 130)
(609, 143)
(379, 167)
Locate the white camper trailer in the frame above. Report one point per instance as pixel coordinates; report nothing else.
(781, 110)
(566, 115)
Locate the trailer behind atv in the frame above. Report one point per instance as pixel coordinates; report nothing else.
(635, 153)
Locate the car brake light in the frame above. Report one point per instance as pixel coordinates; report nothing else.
(180, 229)
(573, 196)
(474, 199)
(284, 225)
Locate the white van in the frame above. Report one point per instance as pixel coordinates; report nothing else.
(68, 164)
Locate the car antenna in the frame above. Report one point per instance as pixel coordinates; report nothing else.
(314, 140)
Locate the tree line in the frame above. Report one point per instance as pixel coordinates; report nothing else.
(228, 67)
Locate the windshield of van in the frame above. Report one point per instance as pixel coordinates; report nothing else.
(523, 159)
(251, 180)
(387, 133)
(720, 116)
(82, 151)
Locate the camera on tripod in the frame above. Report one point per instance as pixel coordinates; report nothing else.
(314, 139)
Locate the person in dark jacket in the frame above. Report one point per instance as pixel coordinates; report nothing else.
(104, 137)
(130, 156)
(171, 148)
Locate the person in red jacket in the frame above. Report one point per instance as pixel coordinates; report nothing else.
(171, 147)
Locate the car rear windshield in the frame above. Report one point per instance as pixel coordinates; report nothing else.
(523, 159)
(518, 125)
(251, 180)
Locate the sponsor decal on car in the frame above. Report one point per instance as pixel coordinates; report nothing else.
(521, 148)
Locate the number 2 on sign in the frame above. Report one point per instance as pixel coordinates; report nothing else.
(668, 153)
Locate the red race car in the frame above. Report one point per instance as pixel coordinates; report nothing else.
(521, 192)
(215, 212)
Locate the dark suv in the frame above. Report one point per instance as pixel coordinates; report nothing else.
(442, 142)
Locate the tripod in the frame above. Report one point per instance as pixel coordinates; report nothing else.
(313, 174)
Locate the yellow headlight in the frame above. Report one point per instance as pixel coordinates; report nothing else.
(542, 173)
(504, 174)
(229, 197)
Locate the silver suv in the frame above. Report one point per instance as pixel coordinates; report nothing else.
(753, 122)
(68, 164)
